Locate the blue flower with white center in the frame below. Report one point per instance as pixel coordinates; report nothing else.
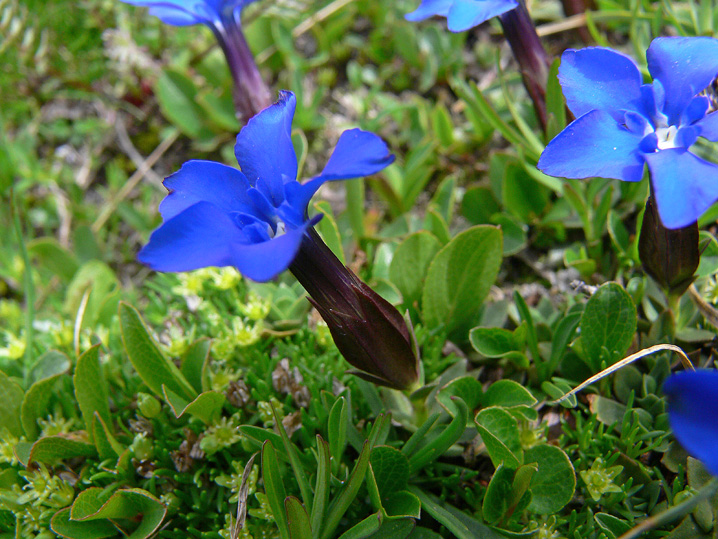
(692, 403)
(187, 12)
(622, 123)
(461, 15)
(256, 219)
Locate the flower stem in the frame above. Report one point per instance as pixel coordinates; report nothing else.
(251, 94)
(529, 52)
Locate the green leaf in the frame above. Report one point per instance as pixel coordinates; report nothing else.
(220, 110)
(499, 431)
(337, 428)
(437, 445)
(71, 529)
(257, 436)
(608, 325)
(391, 469)
(102, 283)
(274, 488)
(345, 498)
(321, 489)
(410, 263)
(328, 229)
(555, 106)
(497, 342)
(51, 449)
(364, 529)
(523, 196)
(12, 396)
(612, 526)
(176, 95)
(562, 337)
(48, 364)
(195, 364)
(479, 205)
(498, 494)
(554, 483)
(467, 388)
(442, 125)
(291, 452)
(54, 256)
(124, 508)
(107, 445)
(206, 406)
(461, 525)
(515, 233)
(459, 278)
(35, 404)
(90, 389)
(507, 393)
(145, 356)
(297, 519)
(402, 504)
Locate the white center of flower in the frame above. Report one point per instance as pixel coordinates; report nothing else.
(281, 229)
(667, 137)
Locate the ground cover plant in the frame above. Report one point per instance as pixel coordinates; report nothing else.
(499, 224)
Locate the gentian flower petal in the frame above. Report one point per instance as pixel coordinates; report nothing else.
(186, 12)
(225, 187)
(594, 145)
(465, 14)
(709, 126)
(264, 146)
(685, 66)
(203, 235)
(200, 236)
(262, 262)
(684, 185)
(429, 8)
(692, 402)
(176, 17)
(357, 154)
(600, 78)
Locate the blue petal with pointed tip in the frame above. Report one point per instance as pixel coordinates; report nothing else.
(197, 181)
(692, 403)
(684, 185)
(599, 78)
(264, 146)
(594, 145)
(186, 12)
(685, 66)
(465, 14)
(429, 8)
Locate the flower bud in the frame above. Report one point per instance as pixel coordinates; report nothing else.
(670, 256)
(368, 330)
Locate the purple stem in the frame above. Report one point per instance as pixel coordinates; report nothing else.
(528, 50)
(251, 94)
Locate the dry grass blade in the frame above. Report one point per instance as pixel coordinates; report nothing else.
(235, 526)
(626, 361)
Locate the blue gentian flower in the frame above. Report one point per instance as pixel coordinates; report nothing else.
(622, 123)
(692, 404)
(461, 15)
(256, 220)
(186, 12)
(253, 219)
(250, 92)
